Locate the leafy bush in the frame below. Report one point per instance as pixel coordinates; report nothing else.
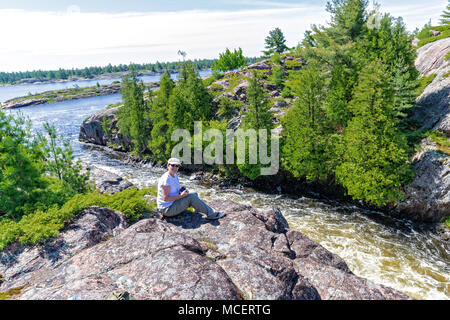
(43, 224)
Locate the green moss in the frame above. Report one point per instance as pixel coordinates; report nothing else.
(113, 105)
(10, 293)
(424, 82)
(235, 80)
(209, 244)
(443, 143)
(216, 87)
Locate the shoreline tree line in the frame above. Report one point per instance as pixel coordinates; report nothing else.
(91, 72)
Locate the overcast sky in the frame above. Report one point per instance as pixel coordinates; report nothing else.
(59, 33)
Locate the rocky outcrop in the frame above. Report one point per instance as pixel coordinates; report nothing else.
(431, 57)
(427, 197)
(249, 254)
(106, 181)
(92, 131)
(433, 105)
(20, 266)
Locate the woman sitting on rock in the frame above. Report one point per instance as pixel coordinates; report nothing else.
(172, 202)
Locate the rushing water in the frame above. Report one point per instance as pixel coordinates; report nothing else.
(405, 256)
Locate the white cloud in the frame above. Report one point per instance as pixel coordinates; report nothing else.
(50, 40)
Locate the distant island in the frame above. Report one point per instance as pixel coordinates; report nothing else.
(97, 73)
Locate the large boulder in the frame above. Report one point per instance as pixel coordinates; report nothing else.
(248, 254)
(91, 130)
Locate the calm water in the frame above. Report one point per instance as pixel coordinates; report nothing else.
(9, 92)
(405, 256)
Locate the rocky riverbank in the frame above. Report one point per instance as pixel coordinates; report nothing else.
(249, 254)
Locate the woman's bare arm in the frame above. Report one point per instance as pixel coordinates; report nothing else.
(165, 194)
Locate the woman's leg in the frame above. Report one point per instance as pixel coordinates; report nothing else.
(191, 200)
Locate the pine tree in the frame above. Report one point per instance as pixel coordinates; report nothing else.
(133, 116)
(391, 44)
(60, 163)
(306, 146)
(347, 19)
(347, 25)
(333, 47)
(275, 42)
(190, 101)
(374, 153)
(158, 116)
(446, 15)
(229, 60)
(21, 166)
(256, 117)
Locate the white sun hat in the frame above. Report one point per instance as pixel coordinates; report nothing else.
(174, 161)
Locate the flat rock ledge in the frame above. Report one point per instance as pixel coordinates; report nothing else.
(249, 254)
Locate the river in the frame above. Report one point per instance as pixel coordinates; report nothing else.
(397, 253)
(8, 92)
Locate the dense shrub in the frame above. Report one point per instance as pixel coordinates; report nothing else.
(42, 224)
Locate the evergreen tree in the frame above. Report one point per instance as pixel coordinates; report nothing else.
(189, 102)
(306, 144)
(229, 60)
(446, 15)
(391, 44)
(133, 116)
(374, 153)
(347, 19)
(59, 163)
(21, 166)
(339, 94)
(333, 47)
(275, 42)
(256, 117)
